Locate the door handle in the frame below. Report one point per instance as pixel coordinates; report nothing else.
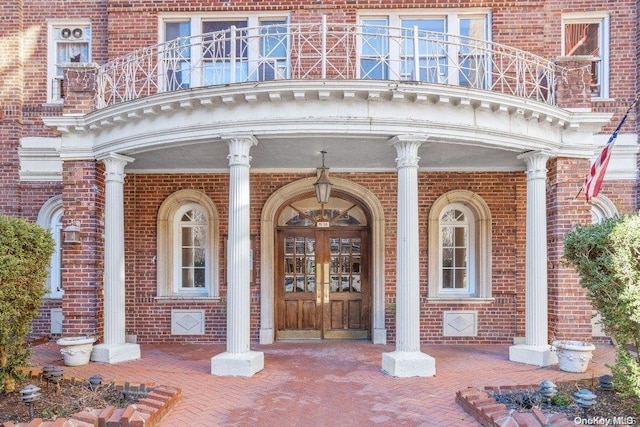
(325, 284)
(319, 284)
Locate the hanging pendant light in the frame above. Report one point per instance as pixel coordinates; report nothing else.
(323, 185)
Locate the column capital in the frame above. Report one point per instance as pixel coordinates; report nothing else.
(114, 166)
(536, 162)
(407, 149)
(239, 147)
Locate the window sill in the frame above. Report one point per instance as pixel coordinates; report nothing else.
(600, 99)
(459, 300)
(182, 298)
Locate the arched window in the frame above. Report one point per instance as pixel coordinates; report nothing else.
(190, 250)
(456, 248)
(459, 247)
(187, 246)
(602, 208)
(50, 218)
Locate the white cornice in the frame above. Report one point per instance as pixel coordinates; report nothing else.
(329, 110)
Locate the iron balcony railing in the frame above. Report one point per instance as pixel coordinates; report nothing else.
(325, 51)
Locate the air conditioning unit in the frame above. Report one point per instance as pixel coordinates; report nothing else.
(72, 33)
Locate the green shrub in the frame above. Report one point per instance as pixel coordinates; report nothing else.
(25, 253)
(562, 399)
(607, 258)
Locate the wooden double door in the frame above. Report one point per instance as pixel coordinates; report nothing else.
(323, 289)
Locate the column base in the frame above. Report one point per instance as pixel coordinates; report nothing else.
(538, 355)
(237, 364)
(379, 336)
(408, 364)
(115, 353)
(267, 336)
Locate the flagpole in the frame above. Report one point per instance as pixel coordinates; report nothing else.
(615, 132)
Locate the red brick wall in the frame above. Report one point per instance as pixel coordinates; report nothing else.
(83, 200)
(150, 319)
(122, 25)
(569, 311)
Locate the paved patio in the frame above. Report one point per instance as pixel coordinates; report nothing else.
(325, 383)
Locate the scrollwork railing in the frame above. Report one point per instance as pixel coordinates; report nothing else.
(325, 52)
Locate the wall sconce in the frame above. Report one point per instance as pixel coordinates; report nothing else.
(72, 234)
(323, 185)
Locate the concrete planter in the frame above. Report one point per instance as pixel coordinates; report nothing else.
(573, 356)
(76, 351)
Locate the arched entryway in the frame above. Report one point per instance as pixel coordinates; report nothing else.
(322, 286)
(356, 233)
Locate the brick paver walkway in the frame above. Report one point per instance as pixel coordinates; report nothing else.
(322, 383)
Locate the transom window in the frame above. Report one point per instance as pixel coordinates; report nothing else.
(212, 51)
(307, 212)
(437, 49)
(69, 42)
(587, 35)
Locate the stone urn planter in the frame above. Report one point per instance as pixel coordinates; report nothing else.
(573, 356)
(76, 351)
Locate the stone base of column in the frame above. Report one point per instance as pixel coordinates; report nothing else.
(538, 355)
(115, 353)
(408, 364)
(237, 364)
(266, 336)
(379, 336)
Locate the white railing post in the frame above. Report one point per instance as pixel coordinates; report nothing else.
(416, 54)
(323, 50)
(232, 72)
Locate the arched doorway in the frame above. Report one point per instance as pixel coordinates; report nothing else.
(322, 269)
(268, 222)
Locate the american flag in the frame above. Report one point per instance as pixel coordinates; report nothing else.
(593, 180)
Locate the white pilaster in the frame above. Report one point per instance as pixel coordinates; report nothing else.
(407, 360)
(114, 349)
(238, 360)
(536, 349)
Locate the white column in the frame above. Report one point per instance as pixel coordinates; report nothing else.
(536, 349)
(407, 360)
(114, 349)
(238, 360)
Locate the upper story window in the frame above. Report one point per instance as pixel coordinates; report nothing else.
(588, 35)
(445, 49)
(69, 42)
(211, 51)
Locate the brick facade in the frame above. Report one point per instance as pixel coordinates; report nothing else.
(121, 26)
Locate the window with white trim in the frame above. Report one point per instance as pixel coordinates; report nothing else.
(588, 35)
(412, 47)
(457, 241)
(602, 208)
(69, 42)
(214, 50)
(187, 246)
(190, 250)
(50, 218)
(459, 247)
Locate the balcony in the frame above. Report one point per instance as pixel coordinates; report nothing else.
(326, 51)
